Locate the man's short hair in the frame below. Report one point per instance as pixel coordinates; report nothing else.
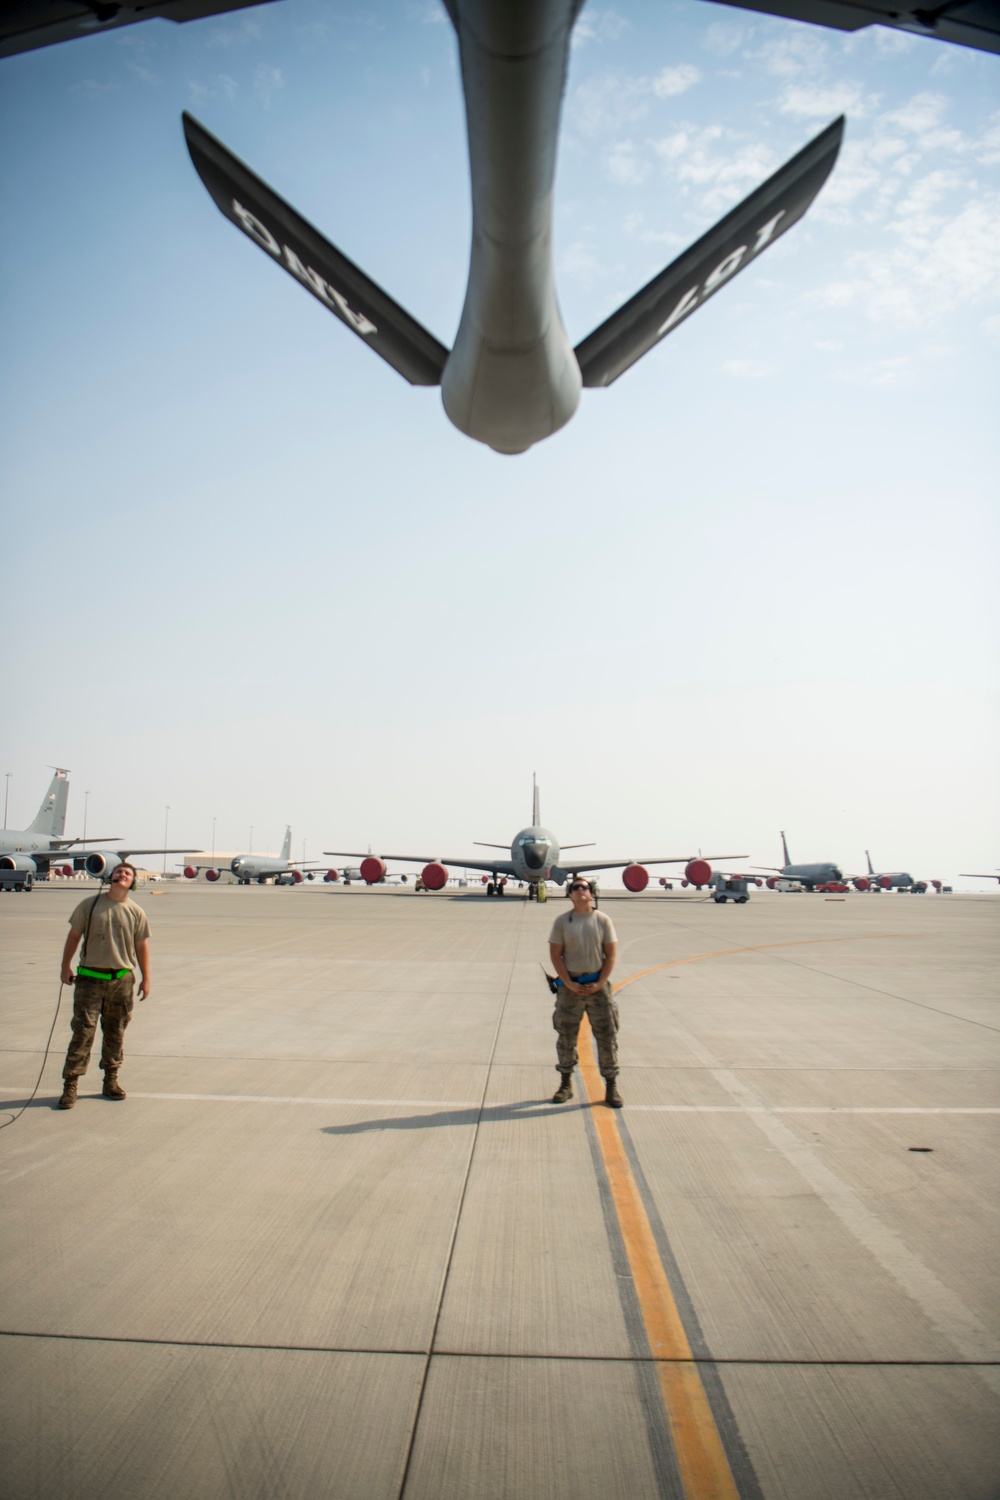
(126, 865)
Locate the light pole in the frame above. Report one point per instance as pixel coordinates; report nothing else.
(166, 825)
(250, 850)
(6, 794)
(86, 799)
(213, 841)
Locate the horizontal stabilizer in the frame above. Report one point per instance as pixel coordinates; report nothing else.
(302, 251)
(694, 276)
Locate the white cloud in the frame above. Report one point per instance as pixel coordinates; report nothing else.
(623, 164)
(672, 81)
(992, 329)
(616, 101)
(813, 101)
(580, 263)
(922, 112)
(598, 26)
(791, 55)
(243, 30)
(938, 264)
(221, 86)
(266, 83)
(699, 158)
(725, 38)
(746, 369)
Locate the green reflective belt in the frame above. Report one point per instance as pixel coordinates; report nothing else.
(102, 973)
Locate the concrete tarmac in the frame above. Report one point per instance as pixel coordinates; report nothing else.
(336, 1243)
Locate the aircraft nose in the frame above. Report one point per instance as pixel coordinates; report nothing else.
(535, 854)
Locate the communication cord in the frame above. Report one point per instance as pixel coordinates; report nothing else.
(17, 1115)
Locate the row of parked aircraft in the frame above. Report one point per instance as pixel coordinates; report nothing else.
(533, 858)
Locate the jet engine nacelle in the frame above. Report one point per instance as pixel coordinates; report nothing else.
(698, 871)
(885, 883)
(772, 882)
(297, 877)
(937, 885)
(17, 862)
(919, 887)
(635, 877)
(190, 873)
(67, 870)
(212, 875)
(862, 883)
(372, 870)
(434, 876)
(331, 876)
(101, 863)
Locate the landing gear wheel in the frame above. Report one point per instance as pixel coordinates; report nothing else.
(719, 900)
(501, 888)
(543, 891)
(490, 891)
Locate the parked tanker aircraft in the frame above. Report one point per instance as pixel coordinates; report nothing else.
(39, 849)
(535, 856)
(889, 880)
(808, 875)
(257, 867)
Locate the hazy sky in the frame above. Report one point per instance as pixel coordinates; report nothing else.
(251, 574)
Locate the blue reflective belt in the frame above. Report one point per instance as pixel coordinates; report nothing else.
(580, 979)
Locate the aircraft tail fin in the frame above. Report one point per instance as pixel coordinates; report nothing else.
(341, 286)
(784, 848)
(51, 816)
(869, 859)
(286, 848)
(694, 276)
(536, 815)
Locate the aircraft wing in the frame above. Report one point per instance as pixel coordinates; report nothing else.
(27, 24)
(661, 859)
(502, 866)
(68, 844)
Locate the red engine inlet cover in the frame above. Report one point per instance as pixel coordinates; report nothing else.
(67, 870)
(330, 876)
(211, 874)
(372, 870)
(486, 880)
(434, 876)
(885, 883)
(298, 877)
(635, 877)
(862, 883)
(698, 871)
(190, 873)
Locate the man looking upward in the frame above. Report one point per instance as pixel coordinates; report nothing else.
(583, 945)
(115, 934)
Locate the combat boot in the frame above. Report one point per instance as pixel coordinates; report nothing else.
(611, 1095)
(68, 1094)
(112, 1088)
(565, 1089)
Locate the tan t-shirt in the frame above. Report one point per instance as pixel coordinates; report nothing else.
(114, 931)
(583, 940)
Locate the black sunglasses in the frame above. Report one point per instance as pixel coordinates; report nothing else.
(579, 888)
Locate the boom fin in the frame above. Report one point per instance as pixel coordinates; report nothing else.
(536, 815)
(784, 849)
(694, 276)
(286, 848)
(341, 286)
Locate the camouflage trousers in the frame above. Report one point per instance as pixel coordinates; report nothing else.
(108, 1001)
(602, 1012)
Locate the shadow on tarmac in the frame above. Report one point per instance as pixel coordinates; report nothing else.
(495, 1112)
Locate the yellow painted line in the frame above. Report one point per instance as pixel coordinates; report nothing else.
(698, 1447)
(701, 1457)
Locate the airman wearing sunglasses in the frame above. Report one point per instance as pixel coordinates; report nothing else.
(583, 945)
